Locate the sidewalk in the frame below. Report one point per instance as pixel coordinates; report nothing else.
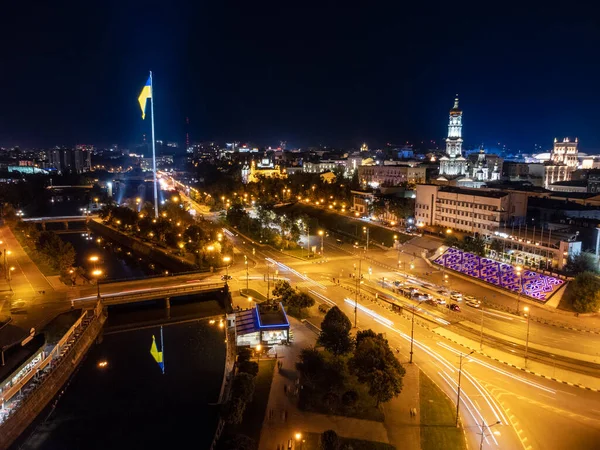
(277, 431)
(404, 430)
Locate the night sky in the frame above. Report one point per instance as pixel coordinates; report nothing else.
(264, 72)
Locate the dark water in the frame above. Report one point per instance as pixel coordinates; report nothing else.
(130, 404)
(115, 261)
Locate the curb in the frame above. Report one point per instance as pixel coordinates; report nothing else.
(523, 369)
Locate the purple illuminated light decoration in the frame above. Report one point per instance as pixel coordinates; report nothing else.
(535, 285)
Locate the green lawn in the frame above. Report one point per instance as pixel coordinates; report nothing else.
(34, 255)
(438, 430)
(302, 253)
(311, 442)
(255, 410)
(350, 228)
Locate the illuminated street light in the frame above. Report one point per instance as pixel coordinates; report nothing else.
(322, 234)
(526, 309)
(97, 273)
(448, 231)
(226, 260)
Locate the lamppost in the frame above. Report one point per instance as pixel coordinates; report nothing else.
(357, 292)
(298, 437)
(97, 273)
(10, 277)
(412, 333)
(246, 263)
(483, 427)
(226, 260)
(526, 309)
(366, 230)
(459, 376)
(321, 234)
(481, 337)
(258, 349)
(250, 301)
(520, 273)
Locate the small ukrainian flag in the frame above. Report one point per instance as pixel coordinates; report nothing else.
(145, 95)
(158, 356)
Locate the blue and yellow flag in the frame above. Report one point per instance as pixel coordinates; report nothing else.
(158, 356)
(145, 95)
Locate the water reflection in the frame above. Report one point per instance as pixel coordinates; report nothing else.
(120, 399)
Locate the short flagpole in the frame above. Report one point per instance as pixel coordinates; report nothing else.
(162, 349)
(153, 146)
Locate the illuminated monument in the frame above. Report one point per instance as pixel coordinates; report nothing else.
(454, 164)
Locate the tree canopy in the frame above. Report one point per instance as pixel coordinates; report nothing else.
(335, 332)
(585, 292)
(375, 365)
(581, 262)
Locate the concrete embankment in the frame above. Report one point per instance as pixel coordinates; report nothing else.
(37, 400)
(157, 255)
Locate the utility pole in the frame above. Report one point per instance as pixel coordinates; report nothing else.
(526, 309)
(483, 427)
(246, 262)
(412, 335)
(459, 376)
(481, 336)
(357, 292)
(268, 282)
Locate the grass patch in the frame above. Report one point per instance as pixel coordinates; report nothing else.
(302, 254)
(566, 301)
(46, 269)
(346, 226)
(255, 410)
(254, 294)
(310, 441)
(438, 428)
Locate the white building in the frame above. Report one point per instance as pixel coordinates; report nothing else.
(454, 164)
(469, 210)
(390, 175)
(563, 161)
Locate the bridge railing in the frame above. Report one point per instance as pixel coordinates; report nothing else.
(161, 292)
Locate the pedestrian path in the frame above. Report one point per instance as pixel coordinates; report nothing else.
(402, 425)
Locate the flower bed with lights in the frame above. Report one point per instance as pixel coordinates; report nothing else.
(530, 283)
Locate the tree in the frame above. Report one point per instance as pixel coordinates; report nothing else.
(581, 262)
(243, 387)
(233, 411)
(283, 289)
(300, 300)
(244, 354)
(335, 332)
(329, 440)
(349, 398)
(249, 367)
(365, 334)
(375, 365)
(311, 365)
(585, 292)
(238, 442)
(452, 241)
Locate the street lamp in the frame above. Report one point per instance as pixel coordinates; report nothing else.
(97, 273)
(459, 376)
(321, 234)
(483, 427)
(10, 277)
(246, 263)
(366, 231)
(519, 268)
(526, 309)
(226, 260)
(258, 349)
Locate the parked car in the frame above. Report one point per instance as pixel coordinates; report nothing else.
(453, 307)
(470, 298)
(442, 292)
(324, 308)
(431, 302)
(473, 303)
(440, 301)
(226, 277)
(456, 296)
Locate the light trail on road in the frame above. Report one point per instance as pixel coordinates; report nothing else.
(295, 272)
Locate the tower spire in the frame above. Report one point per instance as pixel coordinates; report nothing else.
(456, 102)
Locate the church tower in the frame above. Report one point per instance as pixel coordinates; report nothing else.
(453, 163)
(454, 140)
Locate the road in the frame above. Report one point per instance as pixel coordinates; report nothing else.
(527, 406)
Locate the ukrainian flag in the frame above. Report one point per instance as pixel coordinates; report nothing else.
(145, 95)
(158, 356)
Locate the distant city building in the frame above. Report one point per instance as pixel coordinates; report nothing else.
(485, 167)
(563, 161)
(322, 166)
(251, 173)
(161, 162)
(63, 159)
(468, 210)
(390, 175)
(453, 163)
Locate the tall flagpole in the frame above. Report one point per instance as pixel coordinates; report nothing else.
(153, 147)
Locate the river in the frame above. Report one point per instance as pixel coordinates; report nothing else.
(120, 399)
